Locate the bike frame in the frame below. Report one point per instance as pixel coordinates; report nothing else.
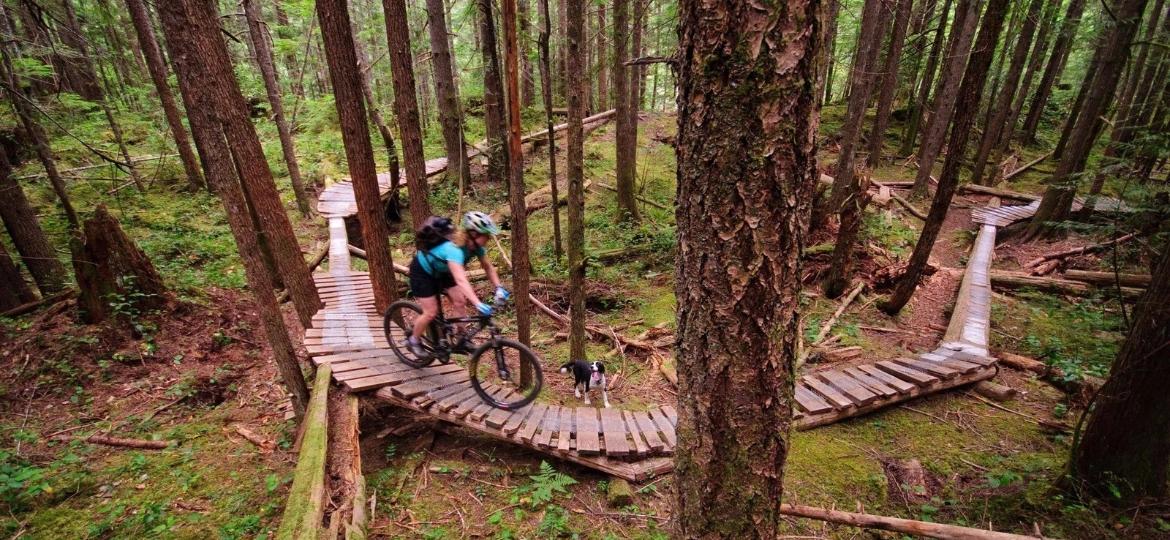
(446, 328)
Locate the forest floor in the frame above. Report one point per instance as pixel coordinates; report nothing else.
(199, 374)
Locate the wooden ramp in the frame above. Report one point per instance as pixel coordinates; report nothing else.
(1003, 216)
(347, 335)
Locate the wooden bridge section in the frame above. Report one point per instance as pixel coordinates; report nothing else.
(347, 335)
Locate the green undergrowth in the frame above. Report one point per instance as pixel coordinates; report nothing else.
(1079, 337)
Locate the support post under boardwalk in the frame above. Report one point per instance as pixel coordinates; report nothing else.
(306, 500)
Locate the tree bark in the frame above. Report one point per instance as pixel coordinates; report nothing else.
(359, 153)
(1144, 71)
(112, 267)
(1083, 90)
(889, 83)
(527, 76)
(746, 125)
(852, 211)
(406, 109)
(13, 290)
(1035, 59)
(1007, 92)
(971, 91)
(27, 236)
(519, 240)
(861, 83)
(626, 138)
(967, 18)
(447, 94)
(1060, 51)
(217, 82)
(546, 92)
(81, 70)
(264, 60)
(603, 83)
(575, 164)
(830, 49)
(919, 106)
(375, 113)
(1111, 58)
(180, 20)
(493, 96)
(1126, 441)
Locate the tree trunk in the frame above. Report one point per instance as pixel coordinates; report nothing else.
(387, 137)
(637, 73)
(1111, 57)
(861, 83)
(406, 109)
(181, 20)
(1035, 59)
(27, 236)
(1126, 442)
(1085, 87)
(746, 125)
(81, 70)
(852, 211)
(13, 290)
(830, 49)
(1007, 92)
(562, 48)
(575, 164)
(519, 240)
(966, 19)
(603, 83)
(113, 268)
(121, 142)
(217, 82)
(527, 76)
(546, 92)
(493, 96)
(447, 94)
(919, 105)
(889, 83)
(1126, 119)
(971, 91)
(1060, 51)
(627, 134)
(359, 153)
(264, 60)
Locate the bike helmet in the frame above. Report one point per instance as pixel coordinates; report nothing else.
(480, 223)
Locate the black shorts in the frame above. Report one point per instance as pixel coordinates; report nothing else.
(424, 285)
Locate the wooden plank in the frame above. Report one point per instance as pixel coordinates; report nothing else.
(974, 358)
(932, 368)
(640, 445)
(531, 423)
(664, 426)
(671, 414)
(907, 374)
(447, 403)
(649, 430)
(549, 427)
(839, 401)
(565, 441)
(513, 424)
(961, 366)
(498, 417)
(847, 385)
(469, 403)
(588, 431)
(872, 383)
(450, 390)
(613, 430)
(485, 408)
(810, 402)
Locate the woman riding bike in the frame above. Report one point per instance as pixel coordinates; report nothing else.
(442, 269)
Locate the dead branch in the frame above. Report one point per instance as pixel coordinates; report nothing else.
(118, 442)
(1026, 166)
(905, 526)
(1081, 250)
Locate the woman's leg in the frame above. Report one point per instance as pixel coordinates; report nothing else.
(458, 303)
(430, 307)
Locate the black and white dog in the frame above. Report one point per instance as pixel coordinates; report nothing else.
(587, 375)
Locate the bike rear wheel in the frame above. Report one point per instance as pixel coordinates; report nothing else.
(495, 370)
(398, 323)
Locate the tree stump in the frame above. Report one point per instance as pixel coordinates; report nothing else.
(112, 271)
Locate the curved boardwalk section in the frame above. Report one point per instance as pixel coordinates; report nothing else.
(347, 335)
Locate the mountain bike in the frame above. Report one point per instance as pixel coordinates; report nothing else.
(495, 365)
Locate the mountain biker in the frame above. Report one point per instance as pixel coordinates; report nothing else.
(439, 265)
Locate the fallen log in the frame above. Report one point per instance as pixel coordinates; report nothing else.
(1108, 279)
(1019, 280)
(306, 498)
(1007, 194)
(1026, 166)
(45, 301)
(1023, 363)
(141, 444)
(263, 444)
(639, 197)
(899, 525)
(994, 391)
(1081, 250)
(828, 325)
(914, 211)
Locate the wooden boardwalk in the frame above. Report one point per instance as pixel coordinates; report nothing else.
(632, 444)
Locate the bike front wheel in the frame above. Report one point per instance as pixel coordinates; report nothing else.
(398, 323)
(505, 374)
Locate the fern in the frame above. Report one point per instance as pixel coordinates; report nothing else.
(545, 485)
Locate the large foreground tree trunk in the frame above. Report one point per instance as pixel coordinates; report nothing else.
(746, 171)
(575, 165)
(971, 91)
(447, 94)
(109, 266)
(359, 153)
(1111, 58)
(180, 18)
(1126, 441)
(520, 262)
(406, 109)
(260, 44)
